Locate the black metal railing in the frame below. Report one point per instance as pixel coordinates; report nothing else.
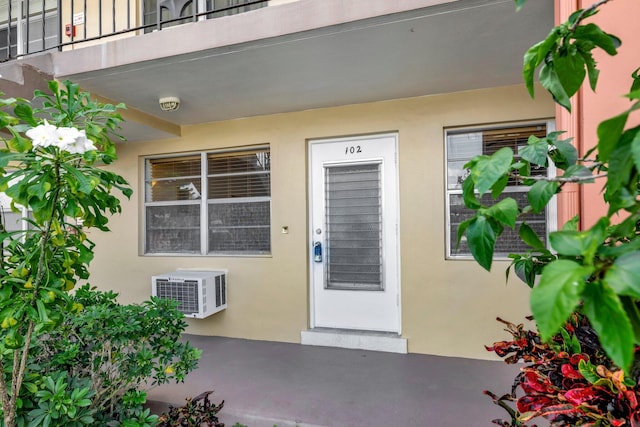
(34, 26)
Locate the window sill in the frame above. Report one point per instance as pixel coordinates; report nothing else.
(191, 255)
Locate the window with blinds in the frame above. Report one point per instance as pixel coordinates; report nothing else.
(209, 203)
(462, 146)
(239, 202)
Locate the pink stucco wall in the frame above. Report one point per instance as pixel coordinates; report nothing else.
(617, 17)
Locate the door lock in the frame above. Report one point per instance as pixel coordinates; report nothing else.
(317, 252)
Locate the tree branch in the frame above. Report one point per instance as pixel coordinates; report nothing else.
(585, 12)
(4, 394)
(17, 382)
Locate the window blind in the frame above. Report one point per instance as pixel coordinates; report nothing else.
(353, 204)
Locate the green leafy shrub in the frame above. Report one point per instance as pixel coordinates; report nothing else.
(118, 349)
(68, 359)
(63, 402)
(47, 166)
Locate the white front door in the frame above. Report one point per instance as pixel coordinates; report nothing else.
(354, 233)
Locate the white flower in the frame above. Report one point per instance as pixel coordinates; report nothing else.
(66, 136)
(43, 135)
(81, 144)
(69, 139)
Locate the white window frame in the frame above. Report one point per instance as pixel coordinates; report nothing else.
(203, 203)
(551, 210)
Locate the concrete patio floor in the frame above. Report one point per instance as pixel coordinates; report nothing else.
(267, 383)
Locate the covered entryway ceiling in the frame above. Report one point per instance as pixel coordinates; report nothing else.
(219, 72)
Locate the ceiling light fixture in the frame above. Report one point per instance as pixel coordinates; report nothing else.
(169, 103)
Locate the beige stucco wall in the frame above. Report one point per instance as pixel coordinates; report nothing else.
(448, 306)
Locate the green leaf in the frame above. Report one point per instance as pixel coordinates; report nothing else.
(53, 86)
(626, 230)
(505, 211)
(550, 81)
(469, 195)
(541, 193)
(524, 168)
(5, 292)
(481, 238)
(82, 183)
(557, 295)
(570, 69)
(622, 199)
(635, 150)
(7, 156)
(535, 56)
(588, 371)
(24, 112)
(530, 237)
(71, 209)
(519, 4)
(580, 243)
(594, 34)
(127, 192)
(576, 347)
(39, 188)
(524, 269)
(488, 170)
(609, 319)
(585, 50)
(18, 142)
(6, 120)
(31, 387)
(609, 132)
(624, 275)
(633, 313)
(566, 339)
(572, 224)
(568, 155)
(499, 186)
(535, 151)
(620, 163)
(42, 313)
(578, 171)
(635, 86)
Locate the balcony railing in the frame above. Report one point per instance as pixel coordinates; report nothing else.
(34, 26)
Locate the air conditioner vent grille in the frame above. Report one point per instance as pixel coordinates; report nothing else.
(185, 292)
(221, 297)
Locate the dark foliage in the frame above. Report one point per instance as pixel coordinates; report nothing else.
(569, 381)
(196, 412)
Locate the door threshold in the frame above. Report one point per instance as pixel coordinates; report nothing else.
(361, 340)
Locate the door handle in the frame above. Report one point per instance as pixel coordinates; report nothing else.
(317, 252)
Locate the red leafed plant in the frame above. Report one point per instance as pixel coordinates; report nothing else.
(569, 381)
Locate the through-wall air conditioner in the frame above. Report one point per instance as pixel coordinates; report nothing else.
(199, 293)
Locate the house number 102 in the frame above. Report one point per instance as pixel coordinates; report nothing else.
(352, 149)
